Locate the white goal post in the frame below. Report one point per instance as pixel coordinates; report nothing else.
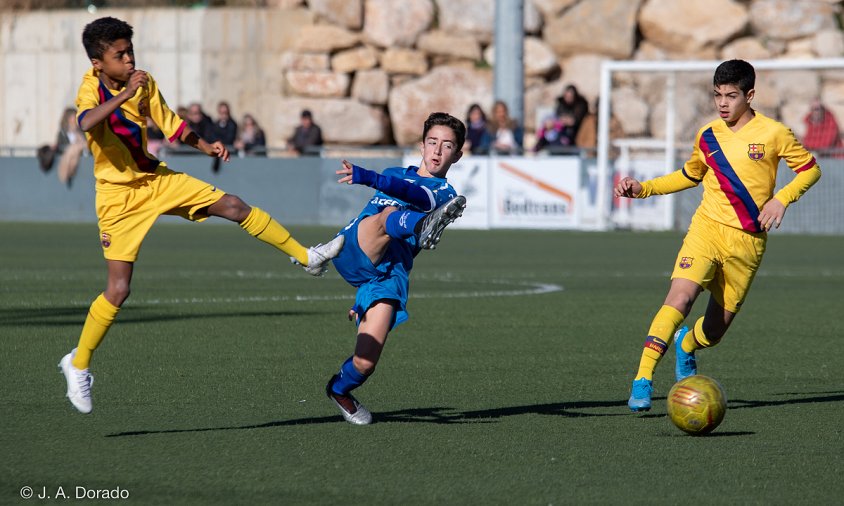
(670, 70)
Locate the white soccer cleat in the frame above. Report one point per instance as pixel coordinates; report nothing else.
(353, 411)
(434, 224)
(319, 255)
(79, 384)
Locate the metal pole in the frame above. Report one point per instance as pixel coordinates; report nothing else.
(670, 141)
(603, 197)
(509, 56)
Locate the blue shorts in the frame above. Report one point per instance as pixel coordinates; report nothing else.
(387, 280)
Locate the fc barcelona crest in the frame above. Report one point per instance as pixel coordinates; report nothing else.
(756, 152)
(686, 262)
(105, 240)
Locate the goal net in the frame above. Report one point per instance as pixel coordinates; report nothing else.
(661, 105)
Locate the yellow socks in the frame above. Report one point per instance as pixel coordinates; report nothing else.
(664, 324)
(262, 226)
(99, 320)
(698, 338)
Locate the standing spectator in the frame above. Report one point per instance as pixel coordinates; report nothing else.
(225, 127)
(70, 144)
(201, 123)
(821, 129)
(507, 136)
(572, 108)
(477, 137)
(306, 135)
(250, 139)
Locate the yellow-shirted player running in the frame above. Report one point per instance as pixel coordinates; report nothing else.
(133, 188)
(736, 159)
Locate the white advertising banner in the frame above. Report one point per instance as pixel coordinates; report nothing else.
(534, 192)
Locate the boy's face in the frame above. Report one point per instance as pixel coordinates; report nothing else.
(731, 102)
(118, 61)
(439, 150)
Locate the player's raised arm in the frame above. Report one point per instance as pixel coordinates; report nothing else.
(418, 196)
(216, 149)
(98, 114)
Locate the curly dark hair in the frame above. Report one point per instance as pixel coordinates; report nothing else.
(101, 33)
(445, 119)
(737, 72)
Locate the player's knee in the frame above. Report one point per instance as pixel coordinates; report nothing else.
(117, 293)
(230, 207)
(363, 365)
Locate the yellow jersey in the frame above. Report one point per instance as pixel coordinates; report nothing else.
(119, 143)
(739, 169)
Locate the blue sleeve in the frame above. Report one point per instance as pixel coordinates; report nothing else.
(416, 195)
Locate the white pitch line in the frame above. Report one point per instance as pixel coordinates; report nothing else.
(537, 289)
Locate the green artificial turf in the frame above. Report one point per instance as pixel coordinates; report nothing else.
(508, 385)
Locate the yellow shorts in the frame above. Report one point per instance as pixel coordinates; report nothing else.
(722, 259)
(126, 212)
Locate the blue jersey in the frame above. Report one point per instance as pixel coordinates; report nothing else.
(388, 279)
(443, 192)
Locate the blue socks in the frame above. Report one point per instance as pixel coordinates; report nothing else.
(348, 379)
(402, 224)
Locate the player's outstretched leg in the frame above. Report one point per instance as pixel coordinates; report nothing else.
(353, 411)
(685, 364)
(434, 224)
(319, 255)
(640, 395)
(79, 384)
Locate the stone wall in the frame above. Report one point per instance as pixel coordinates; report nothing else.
(371, 70)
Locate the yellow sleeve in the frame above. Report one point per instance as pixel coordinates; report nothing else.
(88, 96)
(670, 183)
(792, 192)
(792, 151)
(167, 120)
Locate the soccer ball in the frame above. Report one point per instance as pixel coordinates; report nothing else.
(697, 404)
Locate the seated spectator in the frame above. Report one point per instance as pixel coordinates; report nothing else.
(477, 137)
(155, 137)
(573, 107)
(250, 139)
(506, 134)
(822, 133)
(70, 144)
(225, 128)
(307, 136)
(201, 123)
(553, 136)
(587, 137)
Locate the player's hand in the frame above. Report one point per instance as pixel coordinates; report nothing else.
(218, 149)
(346, 172)
(138, 79)
(771, 214)
(353, 316)
(627, 187)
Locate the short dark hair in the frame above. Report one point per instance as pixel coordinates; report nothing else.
(737, 72)
(306, 114)
(101, 33)
(447, 120)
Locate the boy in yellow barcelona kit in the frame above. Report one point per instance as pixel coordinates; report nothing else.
(133, 188)
(736, 159)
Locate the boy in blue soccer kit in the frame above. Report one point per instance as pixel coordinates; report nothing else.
(409, 211)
